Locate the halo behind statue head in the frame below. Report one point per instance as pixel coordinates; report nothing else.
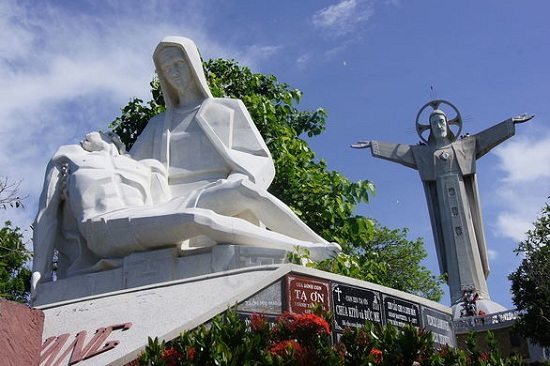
(421, 126)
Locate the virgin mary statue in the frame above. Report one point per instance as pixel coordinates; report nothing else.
(197, 176)
(215, 157)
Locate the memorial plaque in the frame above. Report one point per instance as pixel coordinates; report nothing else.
(400, 312)
(267, 301)
(353, 306)
(440, 324)
(304, 292)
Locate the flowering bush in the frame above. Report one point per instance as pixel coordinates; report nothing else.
(172, 356)
(258, 324)
(303, 327)
(305, 339)
(289, 349)
(375, 356)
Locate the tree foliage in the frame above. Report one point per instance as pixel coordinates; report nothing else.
(325, 200)
(304, 340)
(387, 257)
(14, 276)
(531, 281)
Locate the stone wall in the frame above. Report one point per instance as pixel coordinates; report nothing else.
(20, 334)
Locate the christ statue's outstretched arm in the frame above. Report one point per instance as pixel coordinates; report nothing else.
(398, 153)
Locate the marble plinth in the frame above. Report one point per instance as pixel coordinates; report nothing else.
(141, 269)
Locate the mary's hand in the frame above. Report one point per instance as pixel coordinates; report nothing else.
(36, 276)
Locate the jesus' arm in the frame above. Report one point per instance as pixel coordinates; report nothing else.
(491, 137)
(398, 153)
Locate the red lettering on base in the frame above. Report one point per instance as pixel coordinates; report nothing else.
(78, 349)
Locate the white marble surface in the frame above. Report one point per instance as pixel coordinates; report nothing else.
(197, 176)
(162, 265)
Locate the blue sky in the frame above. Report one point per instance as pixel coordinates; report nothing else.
(67, 67)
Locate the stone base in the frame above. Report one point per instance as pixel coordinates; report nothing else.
(145, 268)
(112, 328)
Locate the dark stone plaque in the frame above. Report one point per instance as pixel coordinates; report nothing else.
(353, 306)
(267, 301)
(400, 312)
(304, 292)
(440, 324)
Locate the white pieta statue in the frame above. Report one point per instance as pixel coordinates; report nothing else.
(447, 167)
(197, 176)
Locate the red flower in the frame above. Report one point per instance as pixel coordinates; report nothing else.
(191, 352)
(312, 322)
(286, 317)
(304, 324)
(288, 347)
(484, 356)
(258, 322)
(376, 356)
(171, 356)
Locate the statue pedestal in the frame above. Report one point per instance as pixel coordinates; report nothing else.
(163, 265)
(112, 328)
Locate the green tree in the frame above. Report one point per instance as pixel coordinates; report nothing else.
(297, 340)
(531, 281)
(325, 200)
(387, 257)
(14, 276)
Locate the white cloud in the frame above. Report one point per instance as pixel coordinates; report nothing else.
(344, 17)
(303, 60)
(514, 225)
(493, 254)
(524, 161)
(254, 54)
(395, 3)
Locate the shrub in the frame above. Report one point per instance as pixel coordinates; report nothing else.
(305, 339)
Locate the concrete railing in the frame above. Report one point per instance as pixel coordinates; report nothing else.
(489, 321)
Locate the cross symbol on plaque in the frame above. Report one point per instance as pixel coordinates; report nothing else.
(338, 292)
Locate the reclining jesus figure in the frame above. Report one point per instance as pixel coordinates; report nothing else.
(197, 176)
